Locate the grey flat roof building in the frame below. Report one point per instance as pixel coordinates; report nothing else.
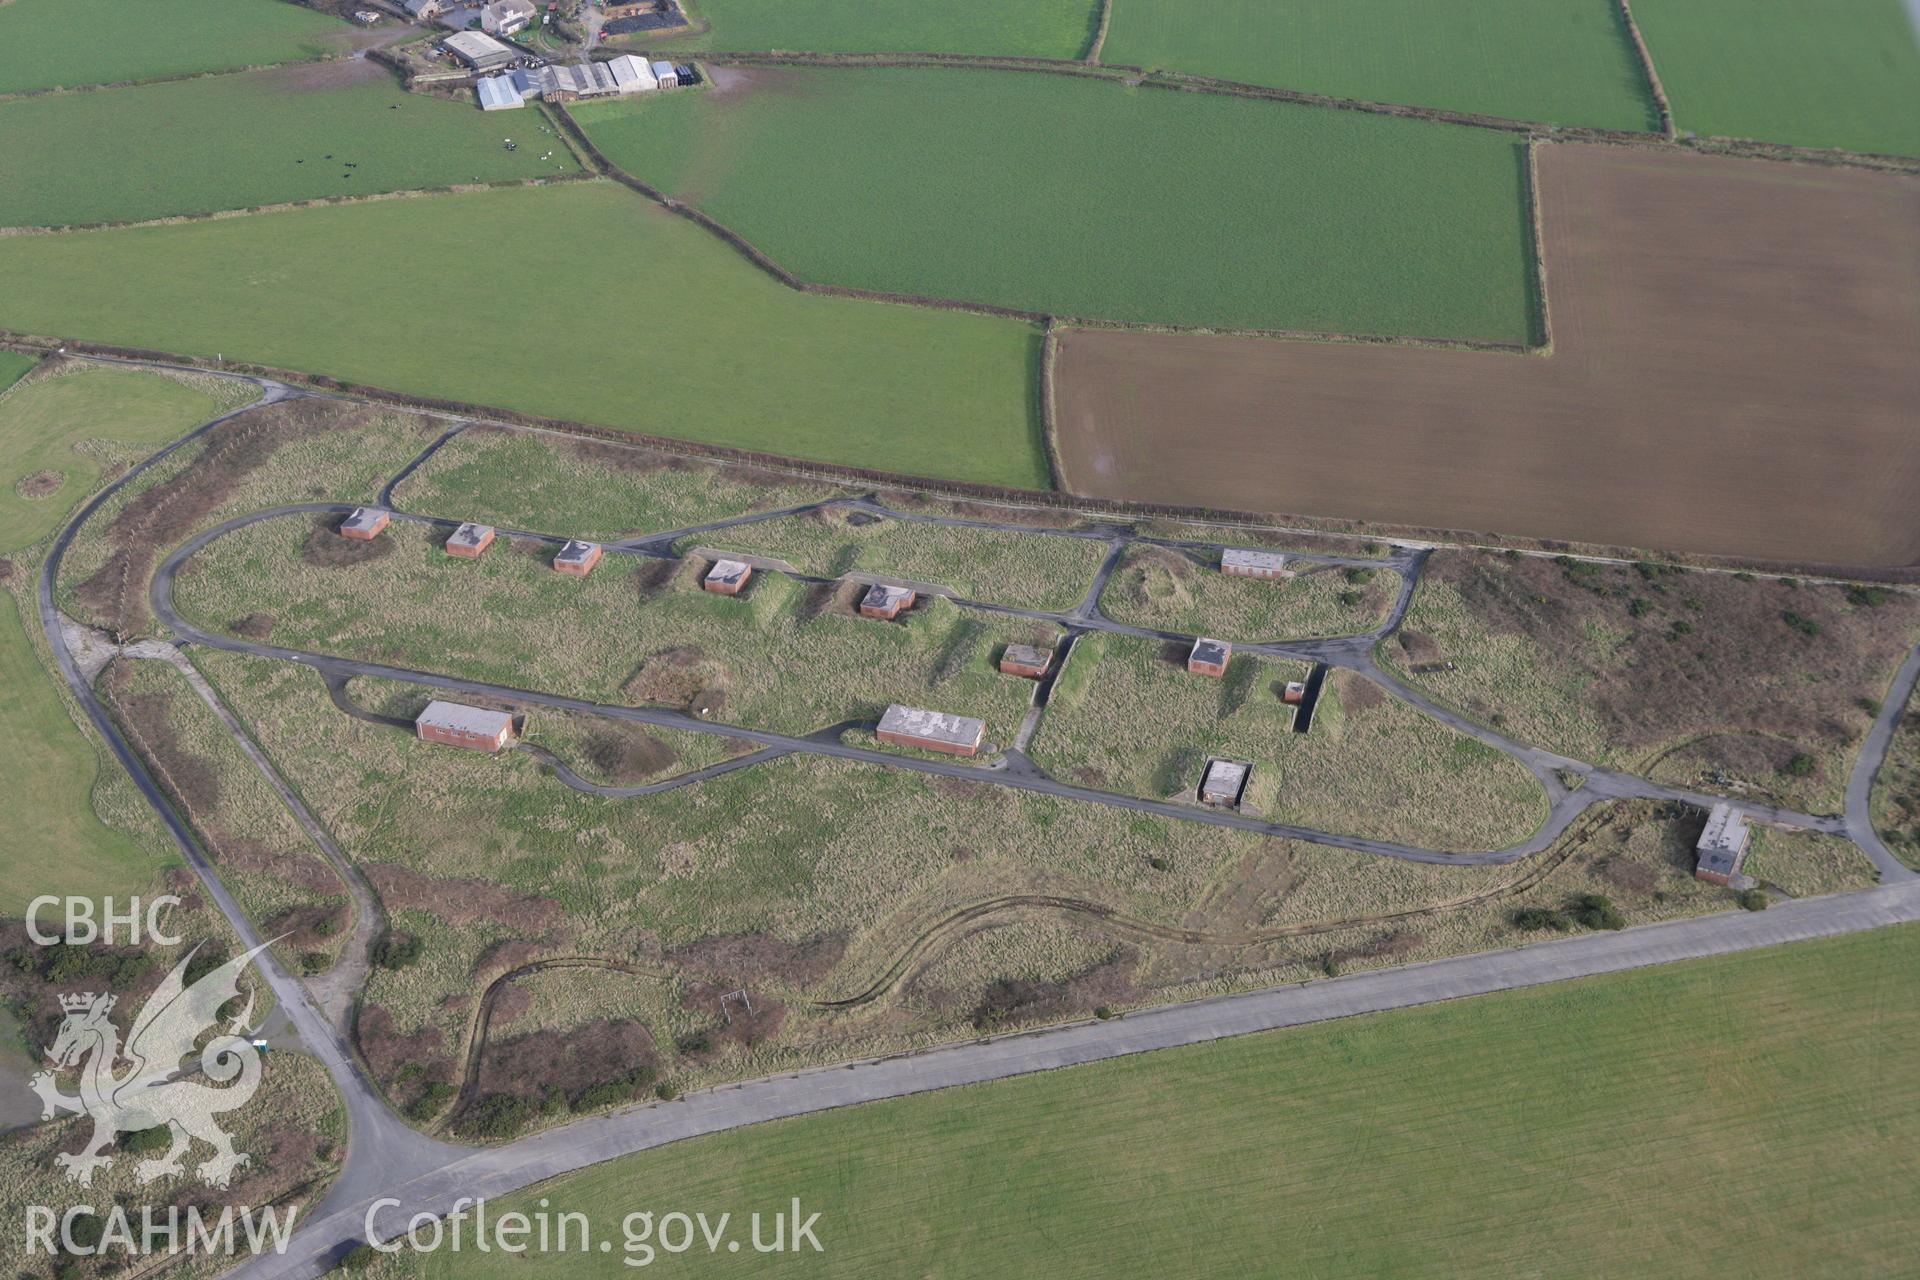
(577, 552)
(1723, 843)
(1214, 652)
(478, 50)
(498, 93)
(364, 519)
(1224, 781)
(936, 729)
(1252, 563)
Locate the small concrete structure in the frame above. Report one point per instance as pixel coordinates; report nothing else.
(366, 17)
(578, 558)
(1254, 564)
(424, 10)
(727, 577)
(458, 725)
(884, 600)
(505, 17)
(365, 523)
(1025, 660)
(931, 730)
(479, 51)
(1224, 783)
(1722, 846)
(1209, 657)
(1295, 693)
(470, 540)
(499, 93)
(666, 75)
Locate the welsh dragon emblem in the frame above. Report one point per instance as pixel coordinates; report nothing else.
(152, 1090)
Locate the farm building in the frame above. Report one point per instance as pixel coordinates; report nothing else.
(577, 558)
(499, 93)
(632, 74)
(365, 523)
(1209, 657)
(727, 577)
(470, 540)
(425, 10)
(1295, 693)
(667, 75)
(366, 17)
(1722, 845)
(1224, 783)
(931, 730)
(504, 17)
(458, 725)
(479, 51)
(1253, 564)
(1025, 660)
(885, 601)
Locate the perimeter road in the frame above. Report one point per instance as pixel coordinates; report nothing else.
(501, 1170)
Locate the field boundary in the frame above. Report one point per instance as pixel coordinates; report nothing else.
(58, 90)
(1282, 523)
(1099, 40)
(1537, 242)
(288, 206)
(1644, 56)
(1049, 408)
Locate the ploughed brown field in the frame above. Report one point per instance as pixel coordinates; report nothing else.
(1735, 370)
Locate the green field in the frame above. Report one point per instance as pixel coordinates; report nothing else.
(1689, 1120)
(280, 138)
(47, 790)
(1086, 198)
(13, 367)
(718, 351)
(74, 42)
(1793, 71)
(1028, 28)
(1567, 63)
(40, 425)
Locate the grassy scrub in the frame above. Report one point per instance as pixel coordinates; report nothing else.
(279, 138)
(1033, 571)
(586, 489)
(751, 364)
(1129, 204)
(1787, 71)
(1344, 1147)
(1139, 722)
(1171, 591)
(44, 43)
(1896, 791)
(776, 658)
(1028, 28)
(1569, 63)
(55, 431)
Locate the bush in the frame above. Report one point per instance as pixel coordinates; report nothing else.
(1102, 1012)
(666, 1091)
(1539, 919)
(611, 1093)
(358, 1258)
(1595, 911)
(435, 1096)
(1801, 623)
(1361, 577)
(498, 1115)
(396, 950)
(1800, 765)
(1753, 899)
(315, 961)
(146, 1142)
(1868, 597)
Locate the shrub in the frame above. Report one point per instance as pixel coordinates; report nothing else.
(1102, 1012)
(1596, 911)
(1539, 919)
(1801, 623)
(1800, 765)
(1872, 706)
(1361, 577)
(498, 1115)
(358, 1258)
(396, 950)
(146, 1142)
(1753, 899)
(435, 1096)
(666, 1091)
(1868, 597)
(314, 961)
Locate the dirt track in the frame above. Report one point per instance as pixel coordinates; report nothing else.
(1734, 372)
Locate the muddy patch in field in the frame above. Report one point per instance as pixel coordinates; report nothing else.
(595, 1053)
(745, 958)
(740, 1018)
(677, 676)
(304, 871)
(626, 753)
(333, 73)
(1014, 1001)
(255, 626)
(459, 902)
